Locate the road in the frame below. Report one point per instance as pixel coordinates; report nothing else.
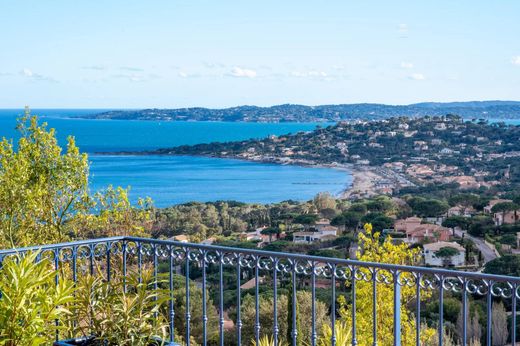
(487, 253)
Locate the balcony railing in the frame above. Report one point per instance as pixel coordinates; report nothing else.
(294, 272)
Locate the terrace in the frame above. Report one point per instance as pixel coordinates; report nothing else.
(215, 269)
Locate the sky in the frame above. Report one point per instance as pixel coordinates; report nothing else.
(172, 53)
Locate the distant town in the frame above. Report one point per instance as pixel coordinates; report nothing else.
(322, 113)
(437, 182)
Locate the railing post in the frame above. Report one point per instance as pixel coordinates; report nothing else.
(275, 301)
(489, 308)
(313, 304)
(187, 278)
(204, 307)
(354, 337)
(397, 309)
(172, 311)
(239, 301)
(374, 306)
(513, 315)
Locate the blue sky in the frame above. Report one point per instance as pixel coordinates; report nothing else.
(135, 54)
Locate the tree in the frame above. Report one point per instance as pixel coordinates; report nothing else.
(40, 187)
(324, 200)
(457, 221)
(499, 324)
(44, 196)
(473, 327)
(270, 231)
(378, 220)
(446, 253)
(304, 302)
(349, 219)
(505, 265)
(430, 208)
(386, 252)
(505, 207)
(306, 219)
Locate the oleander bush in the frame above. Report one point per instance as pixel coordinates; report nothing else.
(31, 303)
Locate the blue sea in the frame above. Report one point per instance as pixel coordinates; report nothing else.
(171, 180)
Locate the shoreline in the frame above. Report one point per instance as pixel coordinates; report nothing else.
(363, 177)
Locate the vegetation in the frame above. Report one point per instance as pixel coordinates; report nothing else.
(387, 252)
(31, 302)
(300, 113)
(44, 195)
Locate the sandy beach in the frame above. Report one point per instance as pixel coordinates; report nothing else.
(364, 180)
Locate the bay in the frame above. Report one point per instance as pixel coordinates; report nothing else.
(170, 180)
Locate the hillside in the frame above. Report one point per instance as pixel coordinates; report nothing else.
(323, 113)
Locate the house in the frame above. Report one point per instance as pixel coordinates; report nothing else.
(416, 231)
(324, 226)
(461, 211)
(492, 203)
(440, 126)
(428, 232)
(326, 232)
(408, 224)
(181, 238)
(430, 257)
(508, 218)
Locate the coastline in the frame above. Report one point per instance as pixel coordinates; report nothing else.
(363, 183)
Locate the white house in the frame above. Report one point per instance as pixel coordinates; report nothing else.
(327, 233)
(431, 259)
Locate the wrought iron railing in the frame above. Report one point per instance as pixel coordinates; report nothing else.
(295, 272)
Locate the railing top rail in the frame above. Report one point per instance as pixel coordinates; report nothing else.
(275, 255)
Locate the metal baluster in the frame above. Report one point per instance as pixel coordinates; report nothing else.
(172, 311)
(397, 309)
(187, 276)
(441, 310)
(489, 313)
(91, 259)
(155, 276)
(74, 279)
(109, 244)
(276, 329)
(333, 306)
(513, 315)
(204, 312)
(239, 302)
(139, 262)
(354, 337)
(418, 310)
(221, 298)
(124, 266)
(374, 307)
(257, 301)
(465, 312)
(294, 302)
(313, 304)
(56, 282)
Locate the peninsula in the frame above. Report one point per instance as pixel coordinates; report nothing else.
(322, 113)
(392, 155)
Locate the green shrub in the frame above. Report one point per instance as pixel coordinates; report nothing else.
(31, 303)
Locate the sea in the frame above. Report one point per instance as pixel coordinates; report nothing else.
(171, 180)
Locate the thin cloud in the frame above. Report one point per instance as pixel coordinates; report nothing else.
(242, 72)
(30, 74)
(417, 76)
(406, 65)
(131, 68)
(402, 28)
(516, 60)
(94, 67)
(312, 73)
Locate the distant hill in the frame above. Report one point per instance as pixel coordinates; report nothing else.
(323, 113)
